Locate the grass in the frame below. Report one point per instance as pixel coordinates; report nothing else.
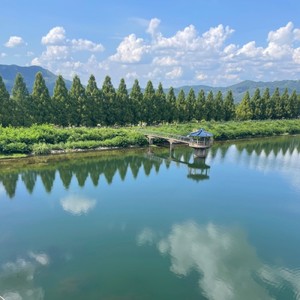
(46, 139)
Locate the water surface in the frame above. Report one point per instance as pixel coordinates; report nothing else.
(142, 224)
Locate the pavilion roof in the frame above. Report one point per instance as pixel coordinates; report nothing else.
(200, 133)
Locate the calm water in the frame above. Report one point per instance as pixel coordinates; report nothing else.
(141, 225)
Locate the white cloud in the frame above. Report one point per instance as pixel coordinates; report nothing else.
(64, 56)
(17, 278)
(201, 76)
(250, 50)
(175, 73)
(56, 35)
(184, 57)
(77, 205)
(82, 45)
(130, 50)
(165, 61)
(210, 251)
(153, 26)
(283, 35)
(3, 54)
(216, 36)
(14, 41)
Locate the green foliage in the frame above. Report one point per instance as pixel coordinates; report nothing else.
(234, 129)
(92, 107)
(41, 139)
(244, 110)
(41, 149)
(42, 107)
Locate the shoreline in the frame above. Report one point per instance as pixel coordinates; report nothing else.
(69, 154)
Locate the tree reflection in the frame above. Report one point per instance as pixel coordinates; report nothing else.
(261, 153)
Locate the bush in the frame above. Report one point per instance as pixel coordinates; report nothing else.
(15, 148)
(41, 149)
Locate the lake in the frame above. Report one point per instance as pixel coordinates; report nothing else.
(153, 224)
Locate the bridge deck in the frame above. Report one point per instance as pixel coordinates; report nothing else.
(173, 138)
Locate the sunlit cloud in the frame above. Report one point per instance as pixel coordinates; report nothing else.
(14, 41)
(184, 57)
(77, 205)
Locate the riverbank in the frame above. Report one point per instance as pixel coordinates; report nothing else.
(48, 139)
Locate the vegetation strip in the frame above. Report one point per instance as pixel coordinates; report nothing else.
(46, 139)
(106, 106)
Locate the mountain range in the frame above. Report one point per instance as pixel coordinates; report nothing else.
(9, 72)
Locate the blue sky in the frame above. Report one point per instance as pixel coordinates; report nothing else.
(174, 42)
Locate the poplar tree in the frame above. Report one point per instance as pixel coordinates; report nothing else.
(94, 96)
(256, 105)
(109, 101)
(219, 107)
(123, 109)
(77, 100)
(5, 105)
(284, 99)
(149, 104)
(61, 103)
(22, 103)
(180, 103)
(136, 98)
(275, 102)
(269, 104)
(190, 105)
(200, 113)
(292, 106)
(243, 111)
(160, 104)
(171, 110)
(210, 107)
(42, 107)
(229, 107)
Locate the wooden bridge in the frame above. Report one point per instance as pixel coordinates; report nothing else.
(200, 146)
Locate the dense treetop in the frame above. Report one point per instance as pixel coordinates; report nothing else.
(109, 106)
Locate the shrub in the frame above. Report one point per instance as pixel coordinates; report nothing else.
(16, 147)
(41, 149)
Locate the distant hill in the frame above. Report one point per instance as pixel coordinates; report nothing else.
(239, 89)
(9, 72)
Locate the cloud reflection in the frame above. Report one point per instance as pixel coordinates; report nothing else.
(228, 265)
(77, 205)
(17, 277)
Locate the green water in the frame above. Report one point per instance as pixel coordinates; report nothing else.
(142, 224)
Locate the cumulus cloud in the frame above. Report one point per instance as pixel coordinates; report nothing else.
(82, 45)
(130, 50)
(14, 41)
(56, 35)
(210, 251)
(184, 57)
(63, 55)
(77, 205)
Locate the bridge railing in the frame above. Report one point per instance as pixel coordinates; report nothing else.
(180, 138)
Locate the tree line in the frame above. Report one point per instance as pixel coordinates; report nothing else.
(106, 106)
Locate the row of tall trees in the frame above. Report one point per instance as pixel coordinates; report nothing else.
(91, 106)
